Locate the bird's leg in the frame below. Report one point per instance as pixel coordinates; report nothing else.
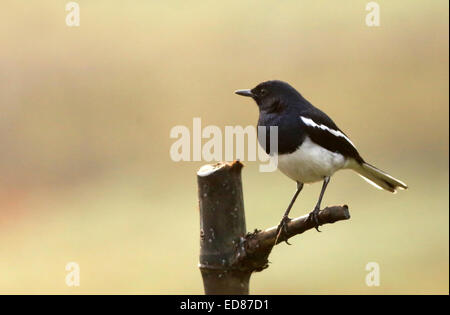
(314, 215)
(282, 227)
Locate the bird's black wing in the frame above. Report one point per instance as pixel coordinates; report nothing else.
(322, 130)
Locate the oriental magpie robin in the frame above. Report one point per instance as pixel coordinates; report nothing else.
(311, 147)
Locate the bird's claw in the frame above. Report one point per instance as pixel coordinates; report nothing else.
(314, 216)
(283, 228)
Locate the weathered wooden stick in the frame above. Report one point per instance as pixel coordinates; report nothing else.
(222, 224)
(258, 245)
(228, 255)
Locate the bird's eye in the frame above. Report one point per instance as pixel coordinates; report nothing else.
(263, 92)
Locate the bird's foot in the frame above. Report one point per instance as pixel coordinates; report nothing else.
(314, 217)
(282, 229)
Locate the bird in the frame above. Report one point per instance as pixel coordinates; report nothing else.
(311, 147)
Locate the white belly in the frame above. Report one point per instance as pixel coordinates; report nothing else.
(310, 162)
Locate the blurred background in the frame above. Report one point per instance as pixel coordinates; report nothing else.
(85, 170)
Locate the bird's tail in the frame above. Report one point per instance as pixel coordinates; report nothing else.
(378, 178)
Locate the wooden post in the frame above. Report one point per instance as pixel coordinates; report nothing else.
(222, 225)
(228, 254)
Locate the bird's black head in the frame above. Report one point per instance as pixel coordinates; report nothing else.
(272, 96)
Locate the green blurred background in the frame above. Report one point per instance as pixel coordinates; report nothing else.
(86, 113)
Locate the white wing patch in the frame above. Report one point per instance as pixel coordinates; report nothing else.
(337, 133)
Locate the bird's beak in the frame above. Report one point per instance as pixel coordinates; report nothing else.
(244, 93)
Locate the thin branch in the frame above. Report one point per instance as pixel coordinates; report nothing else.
(329, 215)
(255, 247)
